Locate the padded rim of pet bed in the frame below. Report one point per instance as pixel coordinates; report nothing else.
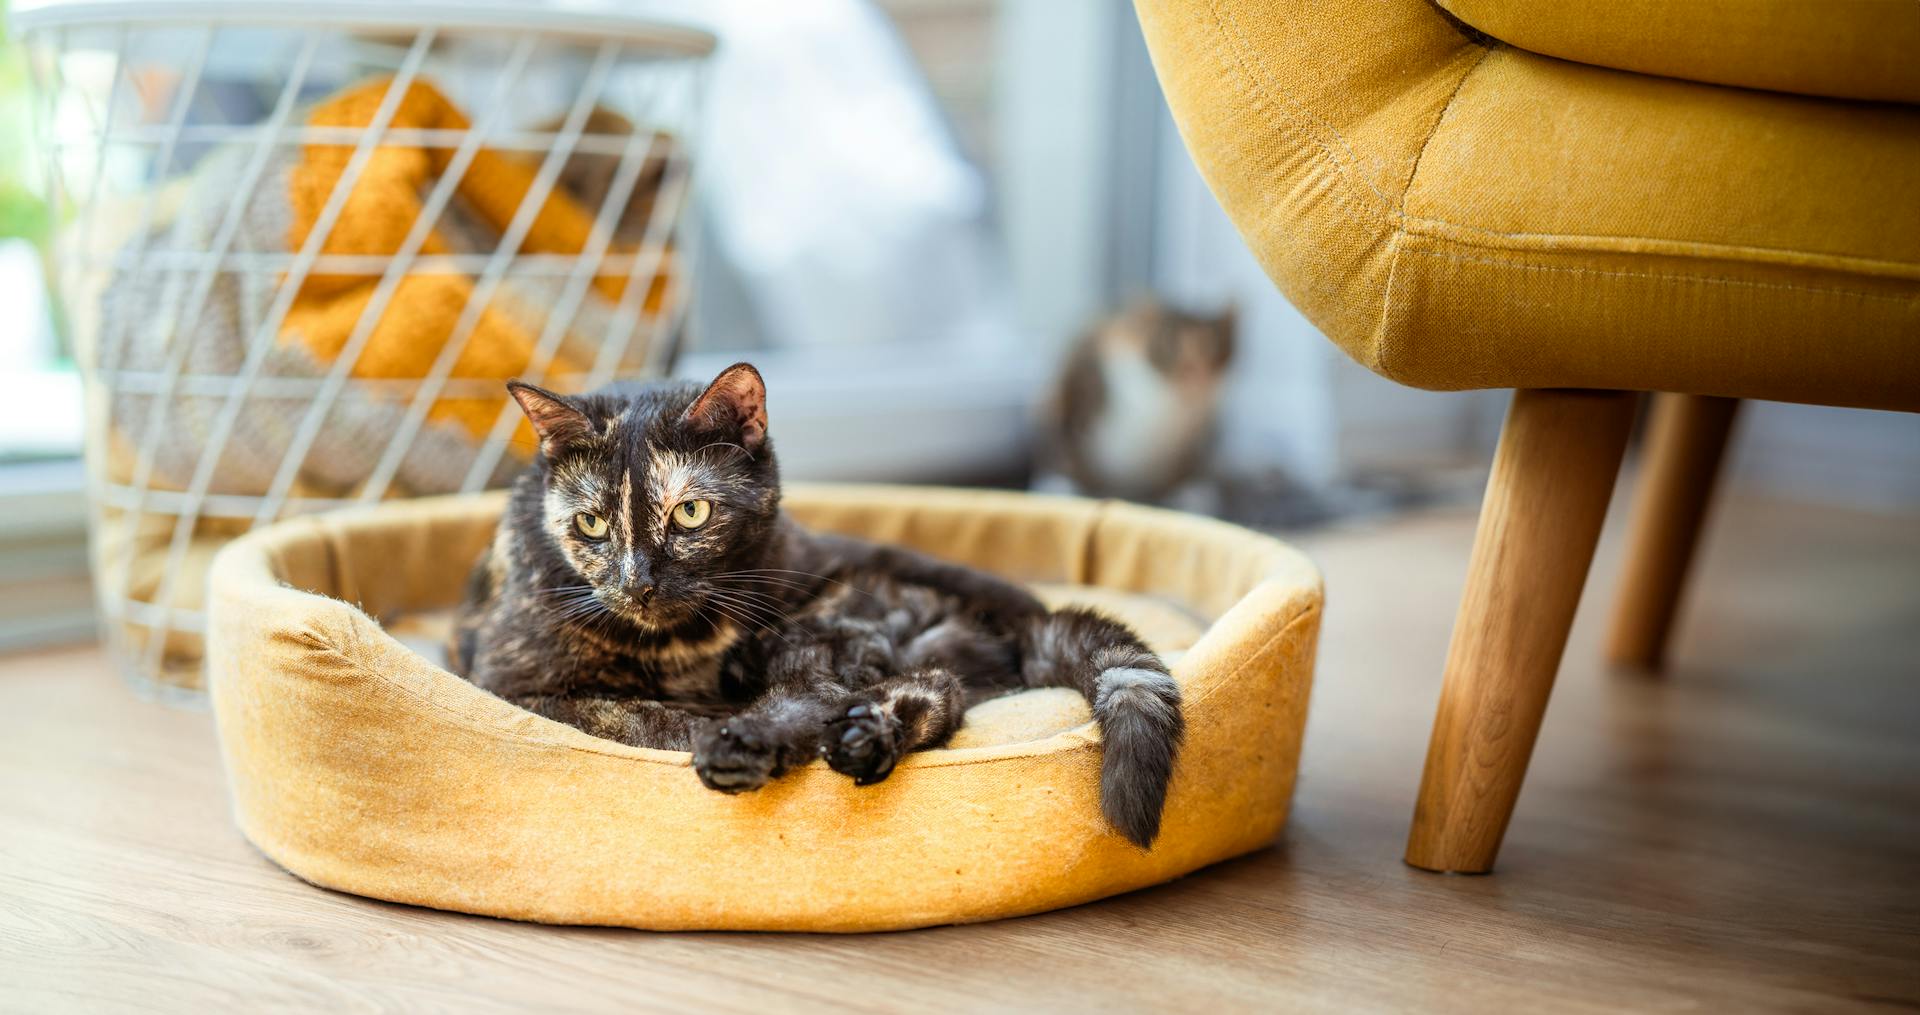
(358, 765)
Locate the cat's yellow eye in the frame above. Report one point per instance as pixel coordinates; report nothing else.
(590, 525)
(691, 514)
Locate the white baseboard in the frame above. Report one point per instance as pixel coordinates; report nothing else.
(45, 594)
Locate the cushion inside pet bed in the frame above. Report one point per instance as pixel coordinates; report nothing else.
(358, 763)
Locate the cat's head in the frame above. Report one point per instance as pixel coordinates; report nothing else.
(1188, 349)
(658, 497)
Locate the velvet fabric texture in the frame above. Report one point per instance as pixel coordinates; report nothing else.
(1846, 49)
(359, 765)
(1458, 212)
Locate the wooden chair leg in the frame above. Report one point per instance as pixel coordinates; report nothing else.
(1686, 439)
(1552, 476)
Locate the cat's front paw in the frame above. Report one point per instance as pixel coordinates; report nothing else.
(734, 755)
(863, 743)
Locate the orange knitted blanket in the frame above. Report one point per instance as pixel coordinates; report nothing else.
(424, 310)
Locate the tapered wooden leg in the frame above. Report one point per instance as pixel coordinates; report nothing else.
(1546, 498)
(1686, 439)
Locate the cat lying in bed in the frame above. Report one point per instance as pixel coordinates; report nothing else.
(644, 586)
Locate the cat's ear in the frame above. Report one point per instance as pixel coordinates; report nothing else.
(1226, 328)
(555, 418)
(737, 399)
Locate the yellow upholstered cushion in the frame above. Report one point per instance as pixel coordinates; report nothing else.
(1458, 214)
(1848, 49)
(358, 764)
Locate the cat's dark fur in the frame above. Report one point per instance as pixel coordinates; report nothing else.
(756, 644)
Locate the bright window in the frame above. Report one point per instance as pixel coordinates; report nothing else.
(40, 415)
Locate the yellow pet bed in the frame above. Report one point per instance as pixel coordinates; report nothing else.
(360, 765)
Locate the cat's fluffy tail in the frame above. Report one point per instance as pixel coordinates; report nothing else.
(1135, 700)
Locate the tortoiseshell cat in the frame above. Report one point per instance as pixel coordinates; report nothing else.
(645, 586)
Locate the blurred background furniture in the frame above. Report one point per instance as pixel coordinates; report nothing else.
(1712, 200)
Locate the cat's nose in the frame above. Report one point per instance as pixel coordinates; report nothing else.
(637, 574)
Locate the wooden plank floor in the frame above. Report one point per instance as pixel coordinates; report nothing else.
(1744, 836)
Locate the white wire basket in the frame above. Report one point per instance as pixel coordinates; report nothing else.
(300, 249)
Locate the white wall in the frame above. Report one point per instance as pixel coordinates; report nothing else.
(1054, 120)
(1853, 457)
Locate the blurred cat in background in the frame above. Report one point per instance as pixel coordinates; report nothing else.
(1133, 413)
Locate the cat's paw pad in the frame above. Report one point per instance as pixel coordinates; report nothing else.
(863, 743)
(733, 755)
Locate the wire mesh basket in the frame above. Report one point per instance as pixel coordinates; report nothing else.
(300, 250)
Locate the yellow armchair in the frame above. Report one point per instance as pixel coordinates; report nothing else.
(1718, 199)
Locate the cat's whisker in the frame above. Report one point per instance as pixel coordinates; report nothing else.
(700, 611)
(740, 617)
(733, 615)
(745, 616)
(775, 615)
(747, 593)
(770, 572)
(578, 604)
(773, 608)
(586, 611)
(777, 583)
(779, 570)
(566, 594)
(700, 614)
(756, 595)
(780, 596)
(764, 579)
(726, 444)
